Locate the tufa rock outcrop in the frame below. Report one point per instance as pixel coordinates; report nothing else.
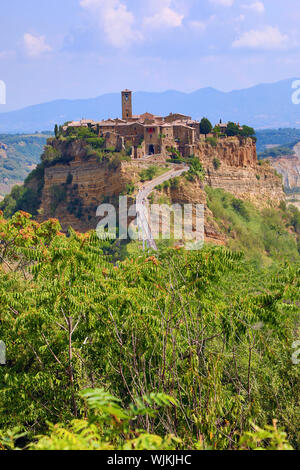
(74, 188)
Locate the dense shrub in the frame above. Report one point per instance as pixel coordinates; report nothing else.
(204, 337)
(149, 173)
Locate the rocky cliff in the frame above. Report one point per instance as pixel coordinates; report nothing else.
(289, 168)
(73, 189)
(232, 165)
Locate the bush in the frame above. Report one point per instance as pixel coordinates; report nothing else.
(232, 129)
(175, 182)
(240, 208)
(130, 188)
(216, 163)
(96, 142)
(50, 155)
(196, 168)
(149, 173)
(212, 141)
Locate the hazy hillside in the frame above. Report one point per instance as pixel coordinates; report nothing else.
(287, 137)
(262, 106)
(18, 156)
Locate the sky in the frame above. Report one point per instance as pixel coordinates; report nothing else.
(53, 49)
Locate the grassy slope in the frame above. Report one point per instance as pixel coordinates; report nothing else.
(22, 154)
(269, 234)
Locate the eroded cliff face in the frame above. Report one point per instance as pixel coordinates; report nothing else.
(289, 168)
(192, 192)
(232, 165)
(232, 151)
(73, 190)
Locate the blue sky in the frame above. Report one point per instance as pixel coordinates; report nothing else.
(55, 49)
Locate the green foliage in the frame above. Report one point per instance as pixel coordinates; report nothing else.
(247, 131)
(96, 142)
(295, 219)
(260, 234)
(149, 173)
(203, 337)
(276, 439)
(212, 141)
(21, 155)
(217, 131)
(110, 426)
(82, 133)
(27, 197)
(175, 155)
(232, 129)
(216, 163)
(286, 137)
(275, 152)
(116, 159)
(130, 188)
(50, 155)
(196, 168)
(175, 182)
(205, 126)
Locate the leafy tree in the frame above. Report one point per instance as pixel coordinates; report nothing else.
(205, 126)
(232, 129)
(247, 131)
(204, 337)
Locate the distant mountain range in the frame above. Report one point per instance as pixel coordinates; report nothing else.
(261, 106)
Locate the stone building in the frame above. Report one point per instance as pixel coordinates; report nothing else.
(146, 133)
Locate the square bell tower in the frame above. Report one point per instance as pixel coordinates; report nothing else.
(126, 104)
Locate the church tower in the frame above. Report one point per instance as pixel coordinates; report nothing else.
(126, 104)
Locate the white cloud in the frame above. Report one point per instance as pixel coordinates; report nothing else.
(258, 7)
(164, 16)
(224, 3)
(115, 19)
(267, 38)
(197, 26)
(6, 54)
(35, 46)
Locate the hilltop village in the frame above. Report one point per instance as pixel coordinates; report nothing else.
(147, 134)
(89, 162)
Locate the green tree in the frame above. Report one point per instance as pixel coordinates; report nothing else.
(232, 129)
(247, 131)
(205, 126)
